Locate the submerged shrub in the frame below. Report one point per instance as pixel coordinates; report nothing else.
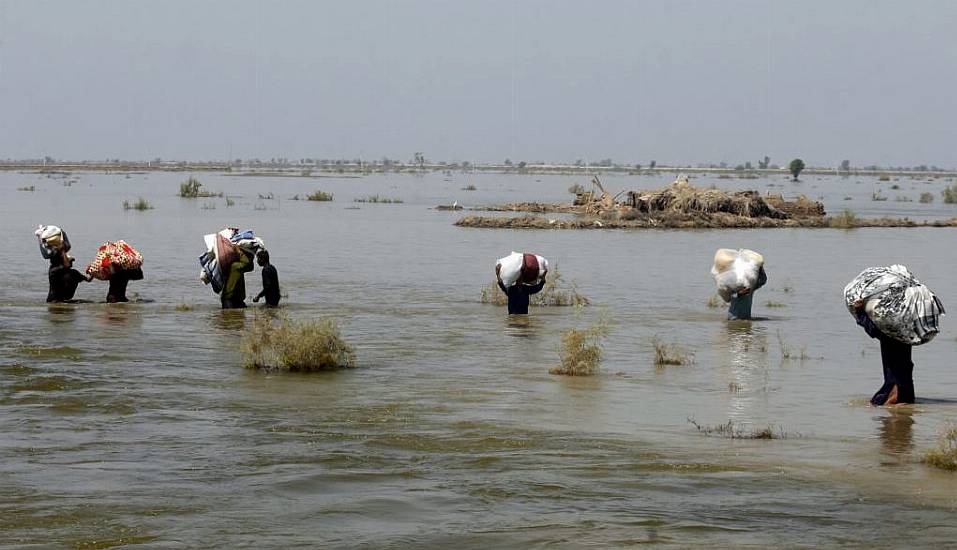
(296, 346)
(950, 194)
(318, 195)
(29, 188)
(139, 204)
(926, 198)
(670, 354)
(191, 189)
(554, 293)
(581, 350)
(945, 455)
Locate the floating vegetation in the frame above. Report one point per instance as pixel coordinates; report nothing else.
(884, 177)
(670, 354)
(139, 204)
(267, 197)
(185, 306)
(895, 187)
(950, 194)
(296, 346)
(554, 293)
(787, 288)
(926, 198)
(845, 220)
(771, 303)
(192, 189)
(737, 431)
(903, 198)
(945, 455)
(30, 188)
(876, 196)
(317, 195)
(376, 199)
(61, 352)
(714, 301)
(470, 187)
(581, 350)
(848, 198)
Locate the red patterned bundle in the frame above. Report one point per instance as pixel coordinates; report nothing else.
(113, 256)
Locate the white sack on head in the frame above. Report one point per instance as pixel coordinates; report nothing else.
(734, 269)
(511, 268)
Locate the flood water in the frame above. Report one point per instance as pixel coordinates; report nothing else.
(136, 423)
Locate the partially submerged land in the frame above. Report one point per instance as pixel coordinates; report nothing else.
(679, 206)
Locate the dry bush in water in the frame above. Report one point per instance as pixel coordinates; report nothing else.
(140, 204)
(581, 350)
(670, 354)
(944, 456)
(296, 346)
(926, 198)
(950, 194)
(845, 220)
(554, 293)
(191, 189)
(318, 195)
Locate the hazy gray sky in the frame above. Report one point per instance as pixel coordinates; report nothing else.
(676, 81)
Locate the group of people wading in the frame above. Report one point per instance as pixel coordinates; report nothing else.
(527, 278)
(118, 263)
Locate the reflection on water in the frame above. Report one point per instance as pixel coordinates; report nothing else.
(896, 431)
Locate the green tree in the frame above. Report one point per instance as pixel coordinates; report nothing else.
(652, 164)
(845, 166)
(796, 166)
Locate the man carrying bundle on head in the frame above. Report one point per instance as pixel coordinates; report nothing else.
(63, 279)
(896, 309)
(519, 276)
(738, 273)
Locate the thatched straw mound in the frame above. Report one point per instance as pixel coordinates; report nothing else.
(685, 198)
(798, 208)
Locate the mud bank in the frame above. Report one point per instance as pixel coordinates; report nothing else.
(689, 221)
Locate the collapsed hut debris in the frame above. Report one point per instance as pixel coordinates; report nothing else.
(679, 205)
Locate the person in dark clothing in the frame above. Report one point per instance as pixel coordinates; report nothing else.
(118, 282)
(519, 292)
(740, 306)
(896, 361)
(63, 278)
(270, 289)
(233, 295)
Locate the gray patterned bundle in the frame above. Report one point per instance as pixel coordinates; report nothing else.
(897, 303)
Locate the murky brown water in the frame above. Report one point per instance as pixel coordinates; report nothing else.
(136, 423)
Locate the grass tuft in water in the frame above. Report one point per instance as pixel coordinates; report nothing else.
(581, 350)
(555, 293)
(185, 306)
(736, 431)
(926, 198)
(297, 346)
(30, 188)
(470, 187)
(376, 199)
(670, 354)
(771, 303)
(317, 195)
(945, 455)
(714, 301)
(140, 204)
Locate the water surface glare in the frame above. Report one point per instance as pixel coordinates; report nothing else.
(136, 424)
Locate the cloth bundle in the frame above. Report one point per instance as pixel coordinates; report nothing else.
(898, 304)
(113, 256)
(52, 240)
(526, 268)
(734, 269)
(222, 249)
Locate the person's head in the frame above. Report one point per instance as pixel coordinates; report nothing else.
(262, 257)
